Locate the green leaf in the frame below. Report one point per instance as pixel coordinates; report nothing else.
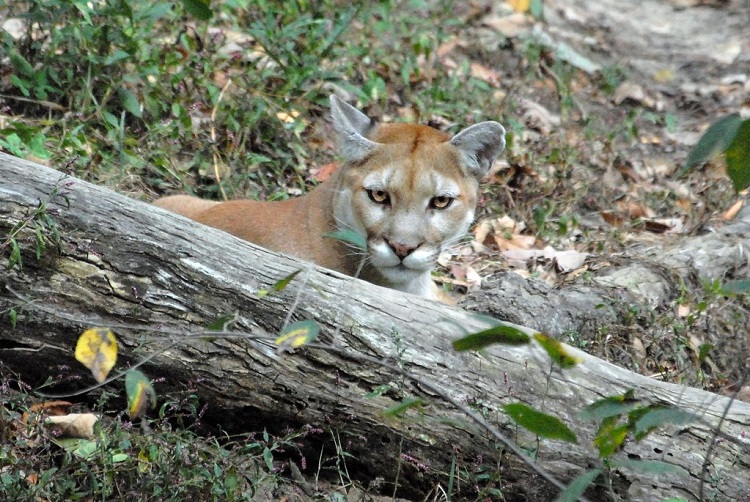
(85, 448)
(21, 84)
(404, 406)
(736, 287)
(117, 56)
(110, 119)
(557, 351)
(648, 466)
(140, 392)
(504, 334)
(15, 254)
(541, 424)
(223, 322)
(130, 102)
(38, 146)
(350, 237)
(40, 242)
(659, 416)
(610, 406)
(610, 437)
(278, 285)
(704, 350)
(298, 334)
(378, 391)
(576, 487)
(199, 9)
(13, 317)
(606, 409)
(738, 157)
(21, 64)
(85, 10)
(536, 9)
(716, 139)
(268, 457)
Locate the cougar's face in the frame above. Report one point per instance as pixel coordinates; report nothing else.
(410, 199)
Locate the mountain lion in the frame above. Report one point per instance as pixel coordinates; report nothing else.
(409, 190)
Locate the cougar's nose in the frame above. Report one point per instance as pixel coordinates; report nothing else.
(401, 250)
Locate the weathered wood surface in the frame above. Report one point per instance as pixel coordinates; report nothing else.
(121, 261)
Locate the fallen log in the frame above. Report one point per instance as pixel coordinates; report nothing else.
(104, 259)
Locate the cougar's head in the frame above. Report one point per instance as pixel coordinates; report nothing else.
(409, 189)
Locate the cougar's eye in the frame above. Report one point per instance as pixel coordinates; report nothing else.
(379, 196)
(441, 202)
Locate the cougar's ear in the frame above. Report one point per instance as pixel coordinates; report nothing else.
(351, 125)
(479, 145)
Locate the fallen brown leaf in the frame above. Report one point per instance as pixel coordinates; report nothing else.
(730, 213)
(635, 209)
(612, 218)
(664, 225)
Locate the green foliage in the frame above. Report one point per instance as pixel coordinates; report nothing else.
(40, 224)
(716, 139)
(738, 157)
(140, 392)
(559, 354)
(736, 287)
(401, 408)
(351, 237)
(199, 8)
(298, 334)
(278, 285)
(622, 417)
(129, 94)
(541, 424)
(579, 485)
(13, 316)
(618, 417)
(729, 135)
(168, 463)
(222, 323)
(500, 334)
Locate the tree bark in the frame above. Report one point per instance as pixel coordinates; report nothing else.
(119, 261)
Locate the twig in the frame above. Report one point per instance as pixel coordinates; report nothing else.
(47, 104)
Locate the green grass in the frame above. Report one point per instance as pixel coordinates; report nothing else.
(161, 462)
(146, 99)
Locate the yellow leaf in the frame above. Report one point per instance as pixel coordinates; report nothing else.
(289, 118)
(298, 334)
(97, 350)
(144, 463)
(520, 5)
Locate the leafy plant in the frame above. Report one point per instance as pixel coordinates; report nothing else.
(619, 417)
(40, 224)
(730, 136)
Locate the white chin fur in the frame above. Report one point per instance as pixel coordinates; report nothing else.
(400, 274)
(394, 270)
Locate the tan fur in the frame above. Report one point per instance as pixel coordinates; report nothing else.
(293, 226)
(412, 164)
